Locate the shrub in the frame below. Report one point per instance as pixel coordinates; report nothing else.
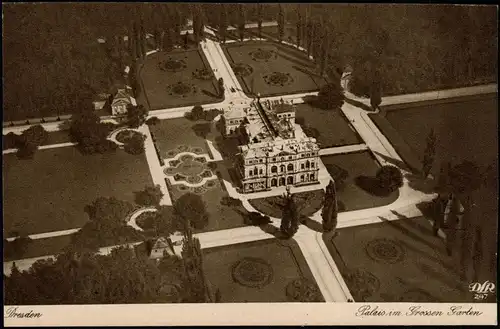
(152, 121)
(35, 135)
(389, 178)
(150, 196)
(135, 144)
(26, 150)
(190, 207)
(211, 114)
(17, 247)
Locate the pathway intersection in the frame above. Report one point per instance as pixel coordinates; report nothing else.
(323, 267)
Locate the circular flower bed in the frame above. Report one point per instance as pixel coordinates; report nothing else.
(263, 55)
(182, 148)
(363, 284)
(203, 74)
(125, 135)
(278, 79)
(252, 272)
(242, 69)
(302, 290)
(385, 251)
(172, 65)
(181, 89)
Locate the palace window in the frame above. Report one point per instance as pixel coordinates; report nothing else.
(307, 164)
(312, 176)
(274, 169)
(302, 166)
(312, 164)
(290, 167)
(260, 171)
(290, 180)
(282, 168)
(301, 178)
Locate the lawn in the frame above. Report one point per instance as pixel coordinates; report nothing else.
(221, 217)
(396, 261)
(333, 127)
(272, 69)
(350, 195)
(307, 202)
(259, 271)
(177, 135)
(465, 129)
(168, 81)
(49, 192)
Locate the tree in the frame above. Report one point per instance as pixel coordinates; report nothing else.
(241, 21)
(194, 281)
(165, 223)
(291, 218)
(150, 196)
(330, 208)
(90, 134)
(220, 84)
(259, 19)
(136, 115)
(465, 177)
(26, 150)
(281, 23)
(223, 22)
(196, 113)
(299, 26)
(389, 178)
(135, 144)
(10, 141)
(132, 43)
(168, 40)
(429, 153)
(191, 208)
(202, 129)
(36, 135)
(375, 95)
(331, 96)
(109, 210)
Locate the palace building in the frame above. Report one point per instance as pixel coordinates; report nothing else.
(275, 150)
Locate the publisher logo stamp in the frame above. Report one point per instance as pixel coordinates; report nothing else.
(481, 290)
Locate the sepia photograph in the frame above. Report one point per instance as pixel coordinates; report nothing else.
(190, 163)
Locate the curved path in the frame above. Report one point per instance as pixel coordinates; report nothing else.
(132, 220)
(112, 135)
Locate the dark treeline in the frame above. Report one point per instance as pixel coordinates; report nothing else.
(53, 62)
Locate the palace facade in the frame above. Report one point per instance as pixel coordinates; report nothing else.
(275, 151)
